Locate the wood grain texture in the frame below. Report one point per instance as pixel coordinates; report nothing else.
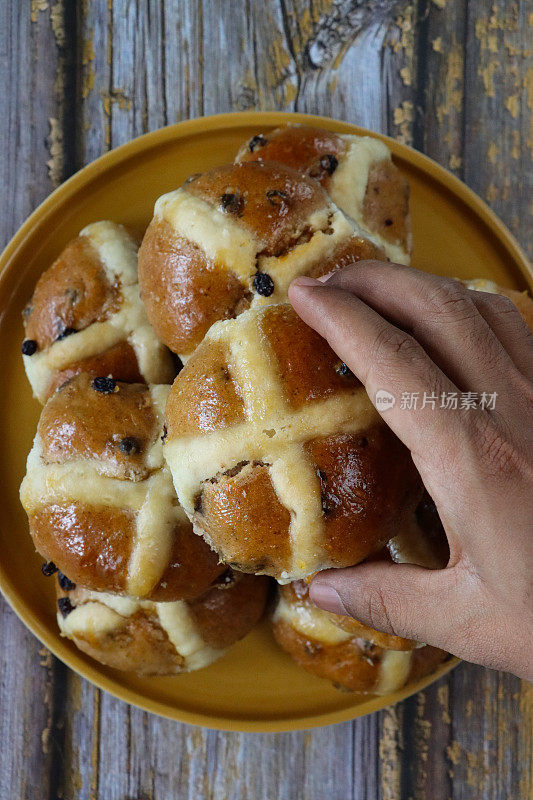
(29, 169)
(453, 78)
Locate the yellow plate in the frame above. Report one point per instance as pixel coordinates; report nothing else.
(256, 687)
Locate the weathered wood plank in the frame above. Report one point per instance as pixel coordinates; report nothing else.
(499, 112)
(33, 74)
(401, 71)
(94, 65)
(26, 700)
(440, 118)
(78, 721)
(337, 49)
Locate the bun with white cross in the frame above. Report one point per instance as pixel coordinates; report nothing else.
(348, 652)
(233, 238)
(100, 500)
(86, 315)
(161, 638)
(285, 467)
(358, 659)
(357, 172)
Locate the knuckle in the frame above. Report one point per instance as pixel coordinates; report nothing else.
(380, 610)
(465, 596)
(450, 298)
(502, 305)
(512, 319)
(506, 311)
(391, 343)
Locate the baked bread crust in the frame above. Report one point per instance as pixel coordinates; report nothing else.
(285, 467)
(100, 500)
(86, 315)
(234, 238)
(357, 662)
(357, 172)
(161, 638)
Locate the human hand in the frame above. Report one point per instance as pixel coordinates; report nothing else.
(406, 331)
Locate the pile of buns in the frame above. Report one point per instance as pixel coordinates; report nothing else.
(198, 440)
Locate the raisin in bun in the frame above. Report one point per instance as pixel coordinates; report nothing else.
(284, 466)
(356, 662)
(356, 171)
(161, 638)
(234, 238)
(100, 499)
(86, 315)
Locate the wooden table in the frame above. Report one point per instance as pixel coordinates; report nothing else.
(451, 77)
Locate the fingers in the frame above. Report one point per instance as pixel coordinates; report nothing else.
(501, 314)
(400, 599)
(384, 358)
(450, 609)
(441, 315)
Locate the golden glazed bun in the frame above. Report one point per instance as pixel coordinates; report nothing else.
(285, 467)
(161, 638)
(356, 171)
(356, 662)
(86, 315)
(234, 238)
(100, 500)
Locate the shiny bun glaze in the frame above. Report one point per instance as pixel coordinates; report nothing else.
(100, 500)
(356, 171)
(161, 638)
(233, 238)
(86, 315)
(285, 467)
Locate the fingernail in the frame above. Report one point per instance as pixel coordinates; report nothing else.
(324, 278)
(325, 596)
(304, 280)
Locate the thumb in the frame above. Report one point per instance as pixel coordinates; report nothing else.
(400, 599)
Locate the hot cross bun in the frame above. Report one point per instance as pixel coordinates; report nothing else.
(100, 500)
(352, 661)
(234, 238)
(86, 315)
(161, 638)
(356, 171)
(285, 467)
